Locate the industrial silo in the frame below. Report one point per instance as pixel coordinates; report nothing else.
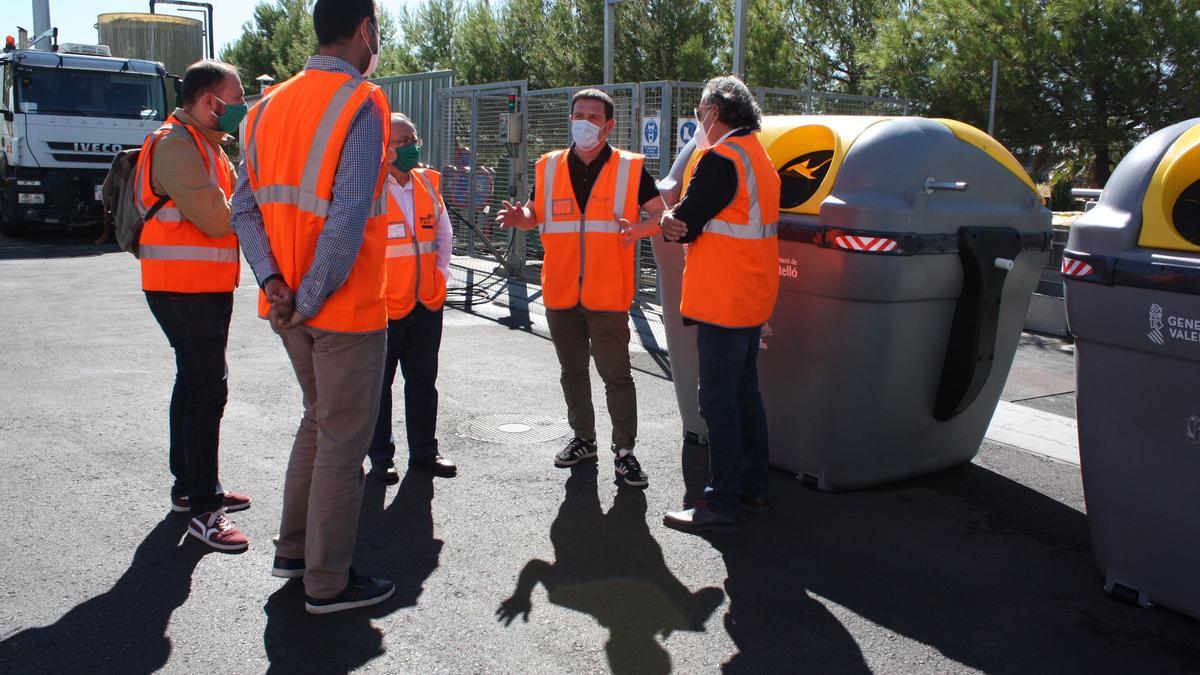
(176, 41)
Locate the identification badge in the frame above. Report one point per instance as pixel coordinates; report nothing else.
(563, 207)
(396, 231)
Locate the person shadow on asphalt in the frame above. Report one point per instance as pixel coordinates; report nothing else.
(395, 538)
(776, 624)
(123, 629)
(609, 566)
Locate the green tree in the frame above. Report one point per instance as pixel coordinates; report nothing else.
(429, 33)
(478, 54)
(664, 40)
(277, 42)
(1080, 81)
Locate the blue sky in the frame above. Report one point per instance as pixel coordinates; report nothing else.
(76, 19)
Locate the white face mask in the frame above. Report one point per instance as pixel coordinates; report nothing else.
(703, 142)
(585, 134)
(374, 62)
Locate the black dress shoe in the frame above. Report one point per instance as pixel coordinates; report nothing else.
(385, 474)
(759, 505)
(702, 518)
(437, 465)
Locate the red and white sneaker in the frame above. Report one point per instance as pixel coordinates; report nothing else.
(233, 502)
(214, 529)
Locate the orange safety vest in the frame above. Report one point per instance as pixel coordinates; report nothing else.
(176, 255)
(731, 274)
(294, 139)
(585, 262)
(412, 273)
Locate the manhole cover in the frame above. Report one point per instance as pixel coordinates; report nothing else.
(513, 429)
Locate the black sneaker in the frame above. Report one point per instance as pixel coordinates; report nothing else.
(629, 470)
(360, 591)
(575, 452)
(287, 568)
(758, 505)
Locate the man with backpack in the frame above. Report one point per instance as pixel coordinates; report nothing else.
(190, 266)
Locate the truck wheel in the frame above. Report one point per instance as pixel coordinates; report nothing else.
(9, 224)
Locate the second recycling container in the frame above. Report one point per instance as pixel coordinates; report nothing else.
(1132, 271)
(908, 251)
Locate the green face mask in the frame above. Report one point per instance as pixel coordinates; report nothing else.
(232, 117)
(407, 157)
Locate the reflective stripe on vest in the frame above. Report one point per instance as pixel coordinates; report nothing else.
(200, 253)
(304, 196)
(406, 250)
(572, 226)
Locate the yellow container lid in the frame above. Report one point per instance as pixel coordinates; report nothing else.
(1171, 207)
(808, 151)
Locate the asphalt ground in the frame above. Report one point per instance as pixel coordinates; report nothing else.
(513, 566)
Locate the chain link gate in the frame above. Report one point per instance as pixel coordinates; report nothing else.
(481, 168)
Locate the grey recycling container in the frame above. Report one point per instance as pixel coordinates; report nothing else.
(1132, 273)
(908, 251)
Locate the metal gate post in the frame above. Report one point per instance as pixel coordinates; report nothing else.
(474, 141)
(666, 132)
(516, 189)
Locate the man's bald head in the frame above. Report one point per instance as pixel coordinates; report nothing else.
(402, 127)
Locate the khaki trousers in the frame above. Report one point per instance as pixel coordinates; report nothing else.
(340, 376)
(578, 333)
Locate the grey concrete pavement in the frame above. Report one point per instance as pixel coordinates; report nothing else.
(513, 566)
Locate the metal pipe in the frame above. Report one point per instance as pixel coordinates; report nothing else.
(739, 38)
(41, 17)
(208, 29)
(992, 107)
(610, 17)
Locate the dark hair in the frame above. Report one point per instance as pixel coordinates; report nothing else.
(336, 20)
(202, 77)
(734, 102)
(594, 95)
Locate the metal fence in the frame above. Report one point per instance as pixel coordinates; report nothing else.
(653, 118)
(416, 96)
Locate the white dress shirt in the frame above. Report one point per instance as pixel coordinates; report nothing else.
(403, 194)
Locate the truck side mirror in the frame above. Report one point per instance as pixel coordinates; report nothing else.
(8, 115)
(178, 85)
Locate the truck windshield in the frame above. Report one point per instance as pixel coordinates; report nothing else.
(90, 93)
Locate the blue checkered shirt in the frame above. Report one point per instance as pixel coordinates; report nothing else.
(353, 191)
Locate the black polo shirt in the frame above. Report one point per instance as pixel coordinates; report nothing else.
(583, 177)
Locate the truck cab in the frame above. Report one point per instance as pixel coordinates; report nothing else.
(63, 116)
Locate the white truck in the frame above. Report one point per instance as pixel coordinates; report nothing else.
(65, 114)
